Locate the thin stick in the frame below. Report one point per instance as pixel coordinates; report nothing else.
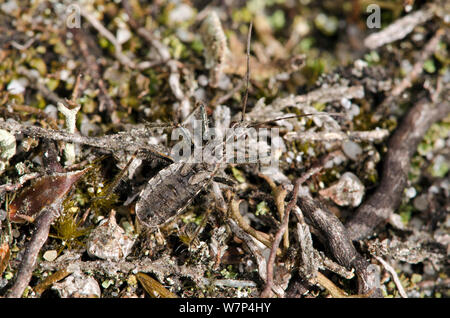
(236, 216)
(416, 71)
(135, 139)
(370, 135)
(270, 263)
(40, 235)
(418, 66)
(109, 36)
(397, 281)
(280, 194)
(247, 76)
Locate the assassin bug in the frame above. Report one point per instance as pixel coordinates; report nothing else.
(172, 189)
(169, 192)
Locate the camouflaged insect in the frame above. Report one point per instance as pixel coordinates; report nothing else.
(169, 192)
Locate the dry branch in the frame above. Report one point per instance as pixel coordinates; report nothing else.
(399, 29)
(337, 240)
(273, 252)
(374, 135)
(411, 76)
(401, 147)
(320, 95)
(123, 59)
(136, 139)
(38, 239)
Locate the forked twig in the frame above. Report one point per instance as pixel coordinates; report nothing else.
(42, 228)
(270, 263)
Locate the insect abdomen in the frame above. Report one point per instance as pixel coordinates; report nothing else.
(169, 192)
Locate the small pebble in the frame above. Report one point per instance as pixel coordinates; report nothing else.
(351, 149)
(17, 86)
(78, 285)
(346, 103)
(421, 203)
(410, 192)
(202, 80)
(9, 7)
(7, 145)
(123, 35)
(348, 191)
(50, 255)
(180, 13)
(15, 233)
(51, 111)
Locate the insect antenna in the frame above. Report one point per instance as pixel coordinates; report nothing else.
(295, 116)
(247, 75)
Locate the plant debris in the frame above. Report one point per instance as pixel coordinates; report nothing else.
(164, 149)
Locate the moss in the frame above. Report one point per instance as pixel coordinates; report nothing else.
(262, 208)
(241, 15)
(313, 69)
(429, 66)
(277, 20)
(228, 272)
(238, 175)
(405, 212)
(68, 226)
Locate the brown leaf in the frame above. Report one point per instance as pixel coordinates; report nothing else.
(47, 282)
(153, 287)
(4, 256)
(43, 192)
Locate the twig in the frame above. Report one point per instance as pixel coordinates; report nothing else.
(162, 267)
(36, 82)
(270, 263)
(161, 49)
(308, 255)
(184, 107)
(417, 69)
(39, 112)
(320, 95)
(280, 194)
(398, 29)
(247, 75)
(16, 186)
(251, 243)
(136, 139)
(48, 281)
(236, 216)
(233, 283)
(373, 135)
(397, 281)
(336, 268)
(311, 258)
(38, 239)
(338, 241)
(401, 147)
(411, 76)
(93, 69)
(109, 36)
(334, 291)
